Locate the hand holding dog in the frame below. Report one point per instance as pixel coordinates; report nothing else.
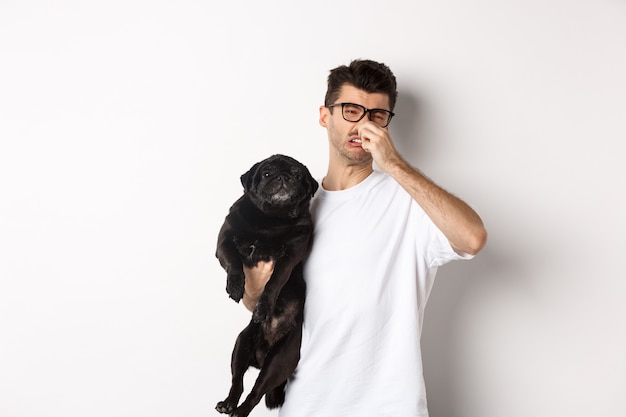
(256, 278)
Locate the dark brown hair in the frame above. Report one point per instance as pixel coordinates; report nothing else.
(369, 76)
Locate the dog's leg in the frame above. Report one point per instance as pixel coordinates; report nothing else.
(276, 396)
(230, 259)
(280, 363)
(242, 358)
(235, 282)
(265, 305)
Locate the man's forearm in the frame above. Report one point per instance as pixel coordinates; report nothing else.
(458, 221)
(255, 281)
(249, 300)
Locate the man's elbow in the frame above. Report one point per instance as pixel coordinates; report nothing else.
(477, 241)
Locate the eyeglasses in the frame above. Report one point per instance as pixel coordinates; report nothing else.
(354, 112)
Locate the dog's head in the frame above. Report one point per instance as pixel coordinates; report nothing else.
(279, 186)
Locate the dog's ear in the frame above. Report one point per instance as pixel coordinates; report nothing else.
(313, 185)
(247, 179)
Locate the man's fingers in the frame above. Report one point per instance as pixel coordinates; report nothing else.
(261, 273)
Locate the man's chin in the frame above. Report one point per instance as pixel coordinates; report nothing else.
(359, 155)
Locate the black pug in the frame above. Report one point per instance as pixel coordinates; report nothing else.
(271, 221)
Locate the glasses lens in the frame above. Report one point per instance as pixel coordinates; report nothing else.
(353, 112)
(380, 117)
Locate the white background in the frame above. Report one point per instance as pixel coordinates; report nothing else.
(125, 126)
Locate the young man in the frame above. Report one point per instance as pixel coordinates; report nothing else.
(380, 236)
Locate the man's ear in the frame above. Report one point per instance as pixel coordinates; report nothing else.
(324, 115)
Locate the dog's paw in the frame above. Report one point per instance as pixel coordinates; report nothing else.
(275, 397)
(225, 407)
(243, 410)
(235, 285)
(261, 313)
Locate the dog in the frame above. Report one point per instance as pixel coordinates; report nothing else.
(270, 222)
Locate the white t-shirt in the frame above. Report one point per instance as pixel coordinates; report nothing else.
(374, 259)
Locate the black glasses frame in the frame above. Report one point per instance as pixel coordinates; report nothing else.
(365, 111)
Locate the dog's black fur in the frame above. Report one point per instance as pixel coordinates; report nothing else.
(270, 222)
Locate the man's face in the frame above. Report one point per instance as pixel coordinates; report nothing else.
(343, 139)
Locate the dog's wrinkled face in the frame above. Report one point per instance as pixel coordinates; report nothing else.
(279, 185)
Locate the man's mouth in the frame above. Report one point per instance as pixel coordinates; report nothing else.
(356, 140)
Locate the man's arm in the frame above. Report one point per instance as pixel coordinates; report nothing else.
(256, 278)
(457, 220)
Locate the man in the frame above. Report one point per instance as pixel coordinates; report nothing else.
(379, 238)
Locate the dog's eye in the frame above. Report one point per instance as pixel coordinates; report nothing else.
(266, 174)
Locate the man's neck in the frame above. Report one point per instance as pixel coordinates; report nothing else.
(342, 178)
